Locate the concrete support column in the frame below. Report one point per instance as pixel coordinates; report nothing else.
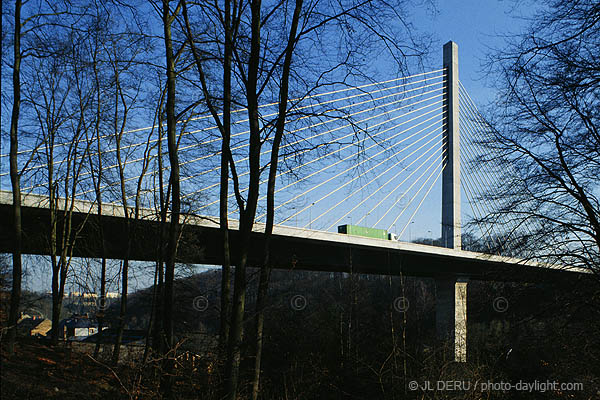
(451, 315)
(451, 173)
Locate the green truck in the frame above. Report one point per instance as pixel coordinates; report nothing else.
(364, 231)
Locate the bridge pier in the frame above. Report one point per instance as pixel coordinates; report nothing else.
(451, 314)
(451, 293)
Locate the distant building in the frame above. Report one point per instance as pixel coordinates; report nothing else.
(33, 326)
(77, 327)
(93, 296)
(86, 300)
(41, 329)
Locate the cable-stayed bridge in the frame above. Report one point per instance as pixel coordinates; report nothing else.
(369, 155)
(358, 153)
(385, 155)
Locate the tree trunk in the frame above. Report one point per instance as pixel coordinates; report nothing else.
(122, 312)
(151, 323)
(52, 207)
(102, 301)
(224, 188)
(167, 382)
(128, 227)
(265, 272)
(263, 286)
(157, 336)
(56, 303)
(15, 297)
(247, 213)
(225, 130)
(237, 327)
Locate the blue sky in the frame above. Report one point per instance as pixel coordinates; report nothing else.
(476, 26)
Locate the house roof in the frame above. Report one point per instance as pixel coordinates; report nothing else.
(78, 322)
(42, 328)
(34, 325)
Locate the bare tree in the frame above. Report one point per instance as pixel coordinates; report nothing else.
(96, 173)
(14, 180)
(168, 16)
(546, 132)
(30, 43)
(163, 195)
(272, 49)
(123, 55)
(265, 270)
(64, 118)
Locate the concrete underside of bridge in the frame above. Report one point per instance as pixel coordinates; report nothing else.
(292, 249)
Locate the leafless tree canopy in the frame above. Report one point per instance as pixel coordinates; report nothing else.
(546, 135)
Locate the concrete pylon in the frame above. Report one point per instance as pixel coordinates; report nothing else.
(451, 293)
(451, 174)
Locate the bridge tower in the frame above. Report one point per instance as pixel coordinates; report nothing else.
(451, 291)
(451, 174)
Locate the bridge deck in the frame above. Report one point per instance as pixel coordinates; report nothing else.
(292, 248)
